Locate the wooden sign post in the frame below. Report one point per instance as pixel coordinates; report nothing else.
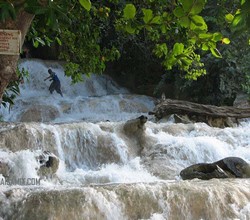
(10, 42)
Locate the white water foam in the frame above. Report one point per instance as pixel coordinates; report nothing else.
(100, 154)
(98, 98)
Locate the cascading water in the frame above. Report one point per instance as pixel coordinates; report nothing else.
(104, 172)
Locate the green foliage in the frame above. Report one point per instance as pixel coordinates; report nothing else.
(181, 33)
(129, 11)
(86, 4)
(84, 51)
(38, 37)
(226, 76)
(7, 11)
(241, 19)
(13, 89)
(178, 33)
(73, 70)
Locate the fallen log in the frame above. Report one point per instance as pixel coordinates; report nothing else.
(169, 107)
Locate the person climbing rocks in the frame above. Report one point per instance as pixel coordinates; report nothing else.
(55, 85)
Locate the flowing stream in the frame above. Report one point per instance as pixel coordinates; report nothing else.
(105, 172)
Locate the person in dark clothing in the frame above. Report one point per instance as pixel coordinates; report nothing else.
(55, 85)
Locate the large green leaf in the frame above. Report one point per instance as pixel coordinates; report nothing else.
(242, 2)
(185, 21)
(178, 49)
(225, 40)
(130, 29)
(217, 36)
(238, 22)
(186, 5)
(156, 20)
(204, 46)
(129, 11)
(161, 50)
(192, 7)
(198, 23)
(179, 12)
(205, 36)
(148, 15)
(86, 4)
(197, 7)
(215, 52)
(198, 20)
(229, 18)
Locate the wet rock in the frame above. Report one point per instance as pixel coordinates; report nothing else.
(134, 130)
(49, 164)
(230, 167)
(4, 169)
(107, 151)
(182, 119)
(133, 126)
(221, 122)
(218, 122)
(242, 101)
(39, 113)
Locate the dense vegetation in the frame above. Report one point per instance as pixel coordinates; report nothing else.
(198, 47)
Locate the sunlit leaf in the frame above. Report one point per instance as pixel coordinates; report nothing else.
(205, 36)
(58, 41)
(178, 48)
(204, 47)
(215, 52)
(229, 18)
(242, 2)
(156, 20)
(86, 4)
(198, 20)
(161, 50)
(129, 11)
(238, 22)
(148, 15)
(198, 23)
(225, 41)
(35, 44)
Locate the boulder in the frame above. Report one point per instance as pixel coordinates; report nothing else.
(39, 113)
(49, 164)
(4, 169)
(242, 101)
(134, 131)
(133, 126)
(230, 167)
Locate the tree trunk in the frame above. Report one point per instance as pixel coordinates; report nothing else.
(8, 63)
(186, 112)
(169, 107)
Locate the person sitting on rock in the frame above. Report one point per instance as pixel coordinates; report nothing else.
(55, 85)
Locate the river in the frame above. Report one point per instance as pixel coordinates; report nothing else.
(105, 173)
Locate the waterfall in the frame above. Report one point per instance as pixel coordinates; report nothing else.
(104, 172)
